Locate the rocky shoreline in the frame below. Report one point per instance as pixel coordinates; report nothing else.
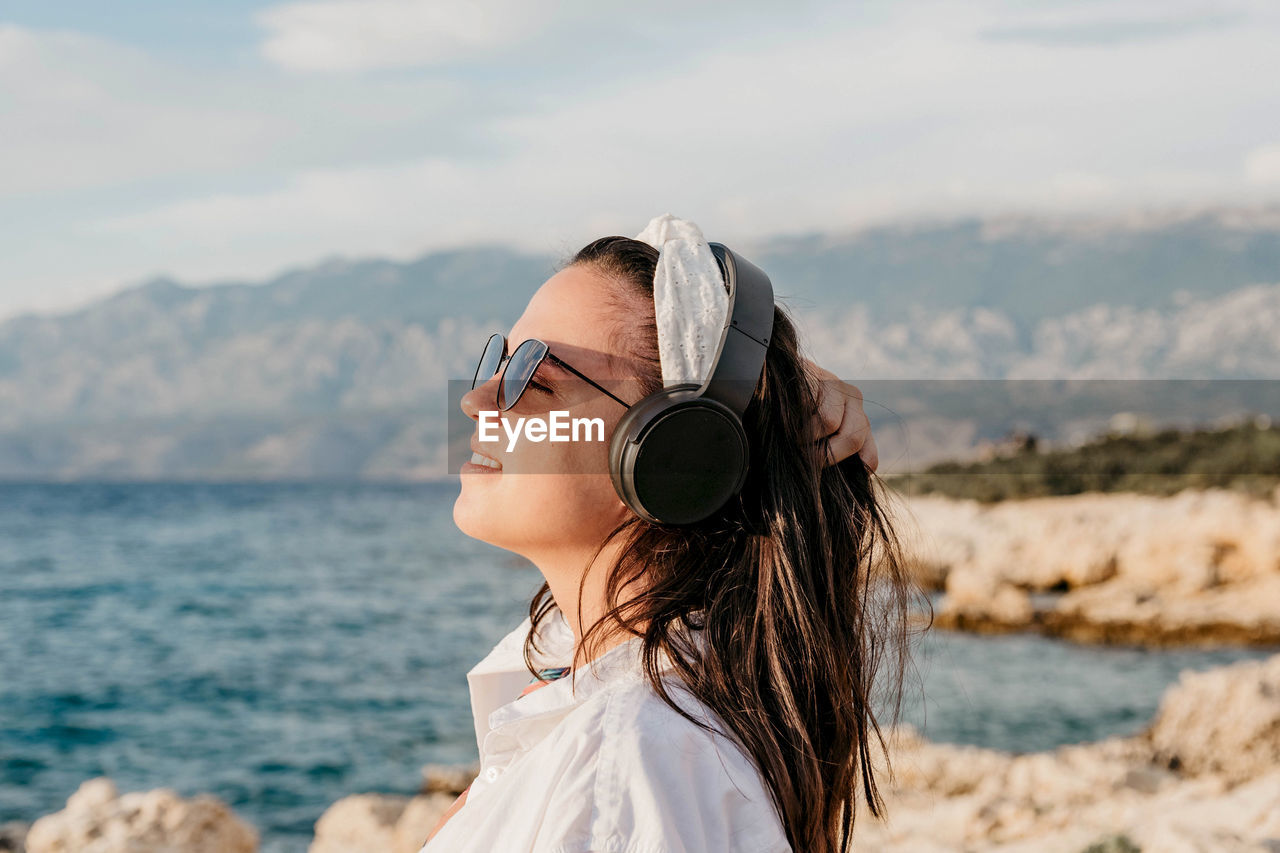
(1195, 568)
(1204, 776)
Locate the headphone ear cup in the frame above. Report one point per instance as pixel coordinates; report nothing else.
(676, 458)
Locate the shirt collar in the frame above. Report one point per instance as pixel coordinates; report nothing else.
(496, 681)
(500, 676)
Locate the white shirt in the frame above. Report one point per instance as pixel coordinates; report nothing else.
(603, 765)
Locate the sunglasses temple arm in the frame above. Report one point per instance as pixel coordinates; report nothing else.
(587, 380)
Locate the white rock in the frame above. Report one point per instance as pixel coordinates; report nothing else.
(159, 821)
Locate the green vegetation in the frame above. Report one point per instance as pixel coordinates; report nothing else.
(1114, 844)
(1244, 457)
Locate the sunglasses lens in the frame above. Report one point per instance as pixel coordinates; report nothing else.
(489, 361)
(524, 361)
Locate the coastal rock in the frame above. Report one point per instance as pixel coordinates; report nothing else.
(419, 818)
(1241, 613)
(1224, 721)
(978, 601)
(1210, 816)
(1119, 795)
(13, 836)
(99, 820)
(448, 778)
(379, 823)
(945, 769)
(1068, 801)
(1198, 567)
(358, 823)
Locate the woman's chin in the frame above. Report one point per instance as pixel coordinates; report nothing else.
(478, 517)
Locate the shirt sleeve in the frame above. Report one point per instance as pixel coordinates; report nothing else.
(663, 785)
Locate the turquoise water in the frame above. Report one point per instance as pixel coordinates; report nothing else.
(285, 645)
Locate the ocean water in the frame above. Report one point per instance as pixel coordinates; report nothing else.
(284, 645)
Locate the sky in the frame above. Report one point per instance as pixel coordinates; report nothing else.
(211, 140)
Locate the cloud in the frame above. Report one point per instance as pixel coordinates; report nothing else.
(819, 116)
(358, 35)
(848, 126)
(83, 113)
(1103, 31)
(354, 36)
(1262, 165)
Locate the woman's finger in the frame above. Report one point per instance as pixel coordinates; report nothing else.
(832, 407)
(841, 425)
(854, 435)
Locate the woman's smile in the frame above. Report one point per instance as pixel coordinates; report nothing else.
(481, 464)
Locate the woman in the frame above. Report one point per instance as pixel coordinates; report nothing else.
(720, 674)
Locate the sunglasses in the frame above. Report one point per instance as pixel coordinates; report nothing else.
(518, 369)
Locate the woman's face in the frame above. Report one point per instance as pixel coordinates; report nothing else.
(550, 496)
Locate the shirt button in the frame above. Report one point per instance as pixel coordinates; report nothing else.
(493, 773)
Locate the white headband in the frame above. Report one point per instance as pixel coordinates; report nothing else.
(690, 300)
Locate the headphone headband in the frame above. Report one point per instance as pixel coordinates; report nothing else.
(680, 454)
(747, 330)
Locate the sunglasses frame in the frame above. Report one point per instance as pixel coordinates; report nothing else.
(506, 360)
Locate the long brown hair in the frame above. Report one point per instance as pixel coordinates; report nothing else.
(800, 581)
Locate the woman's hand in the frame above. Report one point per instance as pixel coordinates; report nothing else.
(840, 422)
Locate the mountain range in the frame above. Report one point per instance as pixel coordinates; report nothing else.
(341, 370)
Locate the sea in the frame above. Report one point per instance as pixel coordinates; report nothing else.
(284, 645)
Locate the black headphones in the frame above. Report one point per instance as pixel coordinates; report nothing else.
(680, 454)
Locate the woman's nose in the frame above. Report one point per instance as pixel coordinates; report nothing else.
(482, 397)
